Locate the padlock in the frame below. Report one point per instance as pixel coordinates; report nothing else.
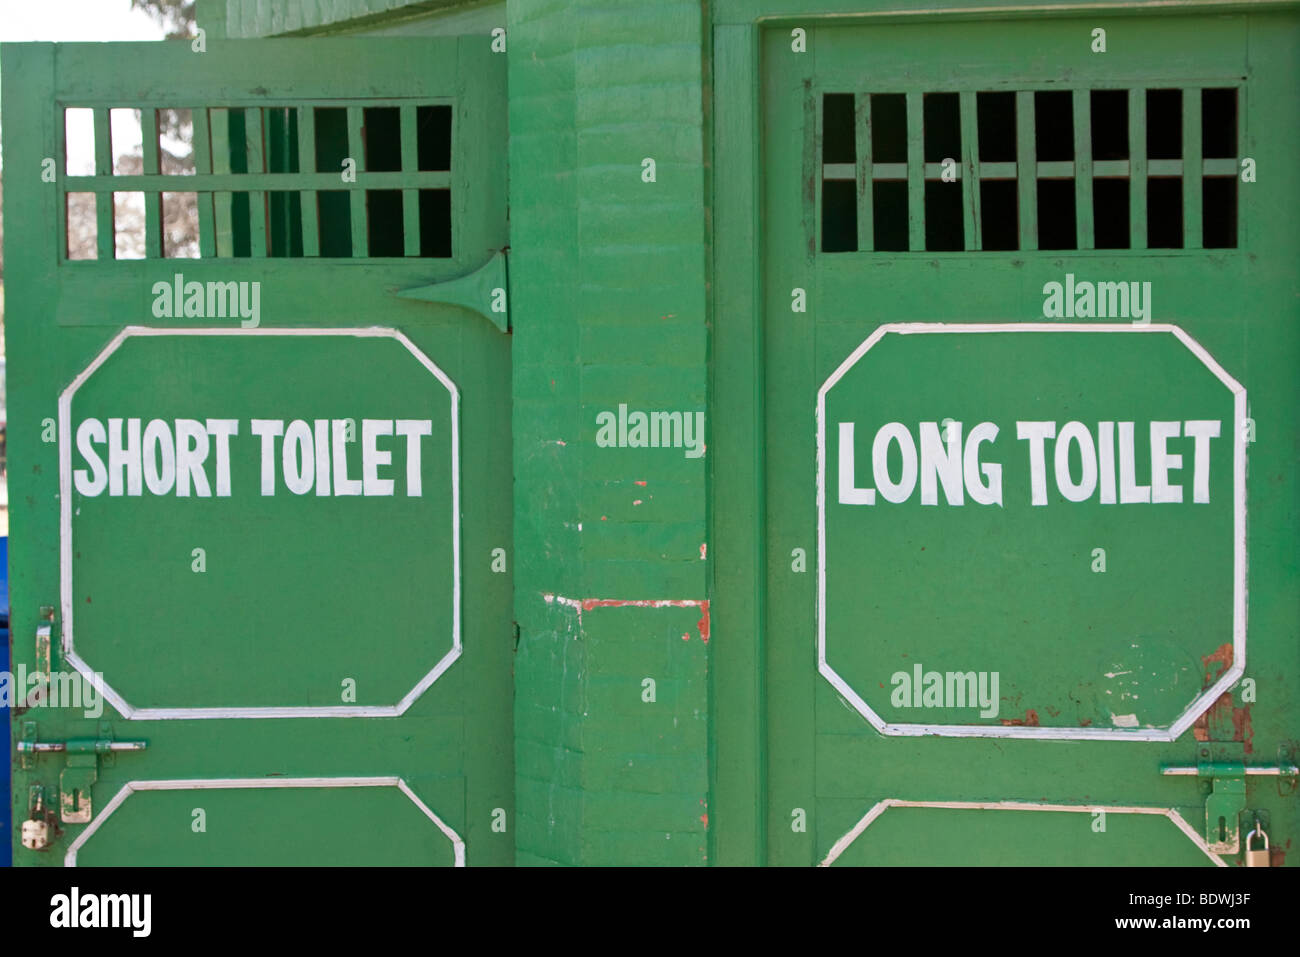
(1257, 858)
(36, 835)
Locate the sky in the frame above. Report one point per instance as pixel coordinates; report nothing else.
(80, 21)
(74, 20)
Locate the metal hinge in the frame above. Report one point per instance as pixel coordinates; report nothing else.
(44, 659)
(483, 291)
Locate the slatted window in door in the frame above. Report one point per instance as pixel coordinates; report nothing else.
(330, 179)
(1075, 168)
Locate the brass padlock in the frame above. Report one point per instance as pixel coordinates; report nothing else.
(1257, 858)
(36, 835)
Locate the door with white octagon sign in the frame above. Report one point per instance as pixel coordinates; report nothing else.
(1029, 431)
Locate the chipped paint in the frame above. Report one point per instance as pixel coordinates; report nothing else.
(1222, 656)
(1030, 720)
(1224, 721)
(704, 551)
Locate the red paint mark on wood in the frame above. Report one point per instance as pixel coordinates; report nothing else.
(640, 481)
(704, 819)
(1241, 729)
(704, 550)
(1222, 658)
(587, 604)
(637, 502)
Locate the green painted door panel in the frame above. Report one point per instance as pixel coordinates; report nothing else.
(256, 492)
(1027, 836)
(362, 824)
(1028, 428)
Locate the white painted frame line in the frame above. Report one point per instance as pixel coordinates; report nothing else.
(125, 708)
(228, 784)
(1200, 704)
(840, 846)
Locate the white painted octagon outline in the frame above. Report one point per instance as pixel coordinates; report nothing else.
(880, 807)
(131, 712)
(228, 784)
(1200, 704)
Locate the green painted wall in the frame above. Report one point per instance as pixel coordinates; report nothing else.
(608, 279)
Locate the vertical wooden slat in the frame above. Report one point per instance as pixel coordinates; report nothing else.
(915, 173)
(970, 181)
(1243, 150)
(255, 150)
(862, 152)
(152, 198)
(223, 200)
(410, 197)
(203, 165)
(356, 150)
(307, 164)
(1026, 170)
(1193, 230)
(1084, 230)
(61, 147)
(1137, 159)
(814, 156)
(103, 201)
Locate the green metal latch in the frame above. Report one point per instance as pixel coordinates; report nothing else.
(80, 772)
(1227, 797)
(482, 291)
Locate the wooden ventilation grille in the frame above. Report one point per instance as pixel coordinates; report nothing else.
(258, 182)
(1136, 169)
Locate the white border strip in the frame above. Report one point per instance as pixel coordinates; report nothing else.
(228, 784)
(125, 708)
(840, 846)
(1199, 705)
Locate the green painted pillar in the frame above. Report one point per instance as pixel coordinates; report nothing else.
(607, 185)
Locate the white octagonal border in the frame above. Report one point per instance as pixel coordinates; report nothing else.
(1200, 704)
(131, 712)
(880, 807)
(227, 784)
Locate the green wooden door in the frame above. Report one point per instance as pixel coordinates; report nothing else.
(259, 442)
(1029, 339)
